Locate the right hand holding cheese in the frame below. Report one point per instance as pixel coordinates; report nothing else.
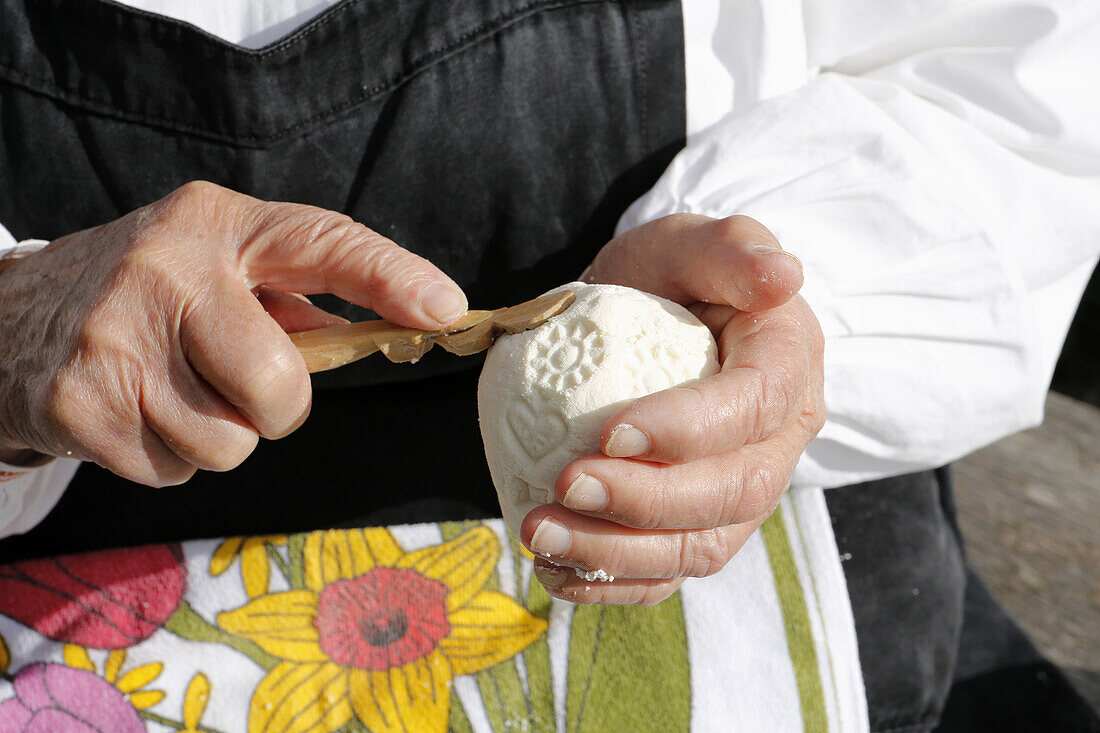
(683, 477)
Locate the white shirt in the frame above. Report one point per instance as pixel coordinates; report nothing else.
(935, 165)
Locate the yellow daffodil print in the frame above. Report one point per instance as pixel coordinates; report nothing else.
(129, 684)
(255, 568)
(379, 633)
(194, 703)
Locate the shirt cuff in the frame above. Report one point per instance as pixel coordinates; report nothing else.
(28, 495)
(22, 249)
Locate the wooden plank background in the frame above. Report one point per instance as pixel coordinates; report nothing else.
(1029, 509)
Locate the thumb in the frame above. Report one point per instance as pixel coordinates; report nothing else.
(689, 258)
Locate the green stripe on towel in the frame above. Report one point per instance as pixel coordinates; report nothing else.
(796, 623)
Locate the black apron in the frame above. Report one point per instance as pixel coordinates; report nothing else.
(500, 139)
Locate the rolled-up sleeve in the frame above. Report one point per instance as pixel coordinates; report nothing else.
(939, 176)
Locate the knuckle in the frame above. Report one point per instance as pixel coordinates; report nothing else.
(757, 406)
(173, 476)
(131, 471)
(193, 196)
(149, 262)
(394, 272)
(231, 453)
(266, 378)
(698, 428)
(350, 245)
(276, 390)
(614, 558)
(67, 427)
(100, 341)
(770, 401)
(153, 275)
(814, 421)
(195, 203)
(755, 494)
(329, 228)
(698, 435)
(742, 230)
(813, 415)
(730, 230)
(730, 504)
(649, 509)
(62, 409)
(672, 224)
(341, 234)
(144, 469)
(702, 553)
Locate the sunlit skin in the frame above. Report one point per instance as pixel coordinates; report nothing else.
(155, 345)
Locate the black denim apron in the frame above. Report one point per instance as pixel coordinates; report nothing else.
(501, 139)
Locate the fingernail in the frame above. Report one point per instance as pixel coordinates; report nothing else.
(765, 250)
(585, 494)
(626, 441)
(443, 302)
(552, 577)
(551, 539)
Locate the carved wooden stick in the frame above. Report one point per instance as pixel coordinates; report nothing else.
(335, 346)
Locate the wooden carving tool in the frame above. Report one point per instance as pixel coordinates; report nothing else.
(335, 346)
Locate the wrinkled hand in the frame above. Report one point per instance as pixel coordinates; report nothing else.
(688, 474)
(155, 345)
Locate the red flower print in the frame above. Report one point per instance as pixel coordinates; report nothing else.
(386, 618)
(103, 600)
(378, 633)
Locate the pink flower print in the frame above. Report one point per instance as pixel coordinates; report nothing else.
(54, 698)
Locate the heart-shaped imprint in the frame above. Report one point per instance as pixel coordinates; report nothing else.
(537, 433)
(525, 493)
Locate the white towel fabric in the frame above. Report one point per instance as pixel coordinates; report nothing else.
(766, 645)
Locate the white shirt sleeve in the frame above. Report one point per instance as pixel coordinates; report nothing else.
(27, 494)
(7, 241)
(938, 173)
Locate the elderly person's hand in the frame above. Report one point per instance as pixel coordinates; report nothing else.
(156, 344)
(688, 474)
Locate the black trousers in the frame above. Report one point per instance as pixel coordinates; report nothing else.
(937, 650)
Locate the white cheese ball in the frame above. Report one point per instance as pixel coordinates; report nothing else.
(545, 394)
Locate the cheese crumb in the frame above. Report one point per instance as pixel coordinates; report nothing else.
(599, 574)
